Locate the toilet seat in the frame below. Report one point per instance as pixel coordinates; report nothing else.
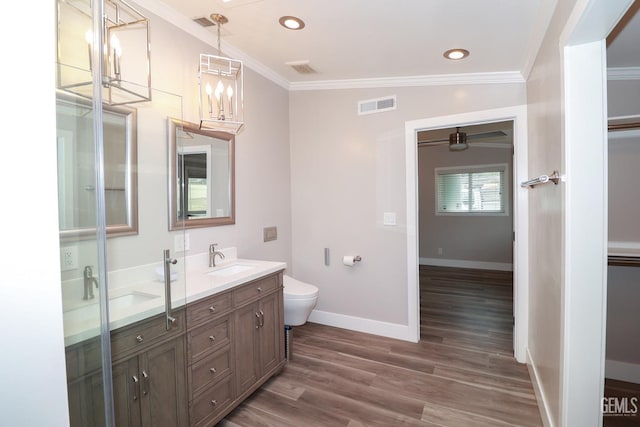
(295, 289)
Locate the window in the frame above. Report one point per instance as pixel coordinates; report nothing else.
(472, 190)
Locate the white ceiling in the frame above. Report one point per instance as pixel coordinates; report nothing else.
(378, 42)
(374, 39)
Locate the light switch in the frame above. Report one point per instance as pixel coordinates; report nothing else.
(389, 218)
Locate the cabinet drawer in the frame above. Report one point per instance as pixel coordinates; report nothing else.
(211, 369)
(83, 358)
(209, 338)
(144, 334)
(255, 289)
(209, 308)
(211, 402)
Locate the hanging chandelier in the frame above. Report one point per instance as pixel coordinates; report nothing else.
(126, 51)
(220, 84)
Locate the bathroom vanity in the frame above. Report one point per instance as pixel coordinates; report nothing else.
(230, 340)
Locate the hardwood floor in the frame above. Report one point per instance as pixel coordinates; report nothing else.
(622, 390)
(461, 373)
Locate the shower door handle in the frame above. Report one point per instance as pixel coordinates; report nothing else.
(170, 320)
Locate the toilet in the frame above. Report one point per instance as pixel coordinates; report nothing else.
(299, 299)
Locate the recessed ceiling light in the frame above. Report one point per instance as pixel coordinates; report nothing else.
(291, 22)
(456, 54)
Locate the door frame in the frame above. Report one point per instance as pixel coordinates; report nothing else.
(582, 47)
(517, 114)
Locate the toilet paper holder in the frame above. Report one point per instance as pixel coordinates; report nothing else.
(357, 258)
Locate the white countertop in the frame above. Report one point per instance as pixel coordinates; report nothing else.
(137, 294)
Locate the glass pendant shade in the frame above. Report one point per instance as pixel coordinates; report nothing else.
(125, 52)
(220, 82)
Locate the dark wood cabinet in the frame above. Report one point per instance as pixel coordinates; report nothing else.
(233, 342)
(234, 346)
(149, 385)
(149, 389)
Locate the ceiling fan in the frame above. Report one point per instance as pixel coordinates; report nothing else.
(459, 141)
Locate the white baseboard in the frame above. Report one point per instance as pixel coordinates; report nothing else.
(385, 329)
(622, 371)
(462, 263)
(543, 404)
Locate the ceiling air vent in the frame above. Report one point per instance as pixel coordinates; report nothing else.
(204, 22)
(301, 67)
(377, 105)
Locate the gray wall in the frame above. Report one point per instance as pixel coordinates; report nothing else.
(262, 161)
(479, 238)
(346, 172)
(546, 213)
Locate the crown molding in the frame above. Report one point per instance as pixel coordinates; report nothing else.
(412, 81)
(190, 27)
(623, 73)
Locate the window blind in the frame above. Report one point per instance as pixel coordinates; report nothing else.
(469, 191)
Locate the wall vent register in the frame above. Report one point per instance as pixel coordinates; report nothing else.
(377, 105)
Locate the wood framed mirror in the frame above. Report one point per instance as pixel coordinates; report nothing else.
(76, 170)
(201, 176)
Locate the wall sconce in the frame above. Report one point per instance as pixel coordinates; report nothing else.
(126, 51)
(220, 83)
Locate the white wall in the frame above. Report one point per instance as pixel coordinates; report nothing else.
(346, 172)
(486, 239)
(32, 364)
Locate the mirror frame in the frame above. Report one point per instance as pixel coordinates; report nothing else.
(131, 172)
(178, 224)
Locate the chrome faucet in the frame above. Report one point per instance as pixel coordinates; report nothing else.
(88, 281)
(213, 253)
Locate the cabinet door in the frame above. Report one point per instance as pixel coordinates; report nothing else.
(245, 338)
(86, 403)
(127, 393)
(163, 385)
(269, 333)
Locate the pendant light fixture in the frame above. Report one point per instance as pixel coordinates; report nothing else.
(220, 84)
(458, 141)
(125, 49)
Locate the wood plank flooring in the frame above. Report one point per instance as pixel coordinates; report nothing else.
(461, 373)
(622, 390)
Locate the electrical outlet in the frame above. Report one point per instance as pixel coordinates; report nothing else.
(440, 251)
(180, 242)
(68, 258)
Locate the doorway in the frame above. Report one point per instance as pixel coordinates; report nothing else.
(466, 235)
(520, 212)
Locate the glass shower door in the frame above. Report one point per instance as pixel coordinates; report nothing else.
(124, 323)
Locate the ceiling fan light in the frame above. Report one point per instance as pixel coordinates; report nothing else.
(458, 141)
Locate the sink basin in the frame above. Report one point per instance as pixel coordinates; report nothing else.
(128, 300)
(230, 270)
(92, 311)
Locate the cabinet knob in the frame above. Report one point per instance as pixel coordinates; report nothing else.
(139, 338)
(212, 338)
(213, 370)
(212, 309)
(259, 289)
(214, 402)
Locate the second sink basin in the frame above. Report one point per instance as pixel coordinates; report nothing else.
(230, 270)
(92, 311)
